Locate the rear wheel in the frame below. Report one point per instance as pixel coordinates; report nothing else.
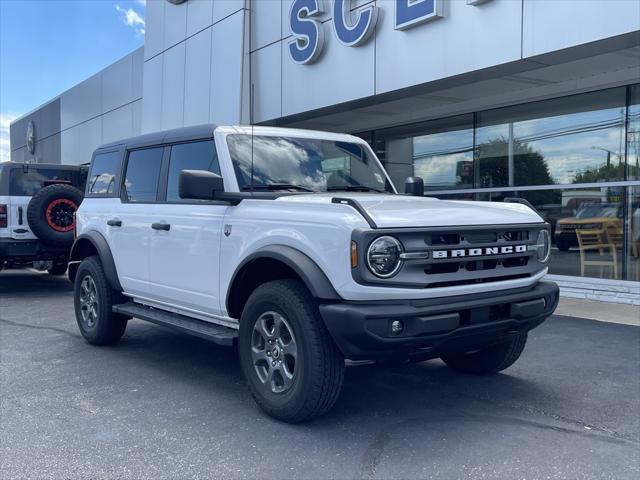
(93, 301)
(489, 360)
(292, 366)
(58, 268)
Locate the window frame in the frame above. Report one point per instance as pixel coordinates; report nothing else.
(164, 174)
(124, 197)
(163, 177)
(119, 171)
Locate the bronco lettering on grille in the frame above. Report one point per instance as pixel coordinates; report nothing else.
(479, 252)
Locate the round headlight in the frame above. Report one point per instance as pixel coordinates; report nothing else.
(543, 246)
(383, 256)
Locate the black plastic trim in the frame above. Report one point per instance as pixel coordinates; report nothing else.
(310, 273)
(104, 252)
(435, 327)
(521, 201)
(357, 207)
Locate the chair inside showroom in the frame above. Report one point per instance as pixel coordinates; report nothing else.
(597, 251)
(615, 236)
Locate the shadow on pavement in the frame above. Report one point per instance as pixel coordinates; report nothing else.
(27, 282)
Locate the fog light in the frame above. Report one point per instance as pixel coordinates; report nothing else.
(397, 327)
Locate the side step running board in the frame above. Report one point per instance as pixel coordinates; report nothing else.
(209, 331)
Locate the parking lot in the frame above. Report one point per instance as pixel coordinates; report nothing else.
(164, 405)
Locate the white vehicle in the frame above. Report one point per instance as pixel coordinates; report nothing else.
(37, 206)
(296, 246)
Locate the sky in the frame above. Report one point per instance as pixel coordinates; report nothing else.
(48, 46)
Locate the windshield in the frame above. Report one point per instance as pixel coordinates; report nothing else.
(304, 164)
(594, 210)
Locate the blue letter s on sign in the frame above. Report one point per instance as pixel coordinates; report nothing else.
(308, 34)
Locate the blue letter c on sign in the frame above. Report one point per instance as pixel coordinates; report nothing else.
(355, 35)
(308, 34)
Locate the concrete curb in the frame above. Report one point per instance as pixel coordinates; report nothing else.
(600, 311)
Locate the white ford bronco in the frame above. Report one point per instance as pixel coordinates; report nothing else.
(295, 246)
(37, 206)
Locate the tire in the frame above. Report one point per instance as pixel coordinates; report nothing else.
(489, 360)
(58, 269)
(98, 324)
(298, 390)
(50, 214)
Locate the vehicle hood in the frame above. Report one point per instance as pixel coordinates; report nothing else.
(398, 211)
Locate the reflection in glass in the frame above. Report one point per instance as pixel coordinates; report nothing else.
(633, 134)
(633, 234)
(143, 171)
(444, 159)
(305, 163)
(587, 229)
(577, 139)
(189, 156)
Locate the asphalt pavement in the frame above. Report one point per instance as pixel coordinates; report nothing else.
(164, 405)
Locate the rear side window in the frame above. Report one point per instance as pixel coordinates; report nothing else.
(27, 183)
(143, 171)
(190, 156)
(103, 176)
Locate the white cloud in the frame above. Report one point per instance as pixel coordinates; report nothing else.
(132, 18)
(142, 2)
(5, 120)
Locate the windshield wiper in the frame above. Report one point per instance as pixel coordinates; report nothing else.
(277, 186)
(354, 188)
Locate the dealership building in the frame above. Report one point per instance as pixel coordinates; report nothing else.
(483, 99)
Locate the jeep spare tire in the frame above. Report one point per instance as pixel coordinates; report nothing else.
(51, 214)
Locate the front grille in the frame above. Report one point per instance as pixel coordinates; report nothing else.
(459, 256)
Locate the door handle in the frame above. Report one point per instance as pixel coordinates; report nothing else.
(114, 222)
(161, 226)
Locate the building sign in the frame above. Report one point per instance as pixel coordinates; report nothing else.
(31, 137)
(308, 33)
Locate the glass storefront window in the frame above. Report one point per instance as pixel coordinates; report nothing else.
(587, 228)
(440, 152)
(633, 234)
(633, 134)
(570, 140)
(444, 157)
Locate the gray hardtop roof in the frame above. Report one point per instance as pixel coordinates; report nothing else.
(166, 136)
(54, 166)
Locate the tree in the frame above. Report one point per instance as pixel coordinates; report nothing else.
(530, 168)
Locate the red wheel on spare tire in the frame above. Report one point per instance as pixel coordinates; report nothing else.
(59, 214)
(50, 213)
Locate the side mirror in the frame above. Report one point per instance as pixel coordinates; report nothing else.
(414, 186)
(199, 185)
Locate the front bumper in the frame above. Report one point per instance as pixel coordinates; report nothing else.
(436, 327)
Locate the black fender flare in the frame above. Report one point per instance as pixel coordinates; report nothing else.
(310, 273)
(101, 246)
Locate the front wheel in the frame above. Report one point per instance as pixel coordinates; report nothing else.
(489, 360)
(292, 366)
(93, 301)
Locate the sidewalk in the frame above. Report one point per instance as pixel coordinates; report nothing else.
(602, 311)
